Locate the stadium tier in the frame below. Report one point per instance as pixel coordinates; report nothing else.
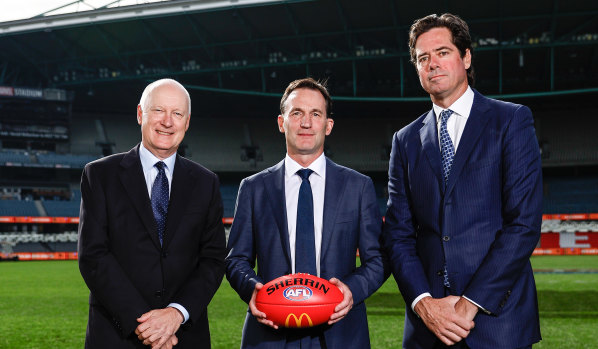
(55, 120)
(14, 158)
(570, 195)
(18, 208)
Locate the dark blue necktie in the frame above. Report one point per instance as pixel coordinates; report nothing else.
(446, 145)
(448, 153)
(305, 246)
(160, 199)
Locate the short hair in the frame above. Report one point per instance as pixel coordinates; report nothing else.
(459, 33)
(150, 88)
(311, 84)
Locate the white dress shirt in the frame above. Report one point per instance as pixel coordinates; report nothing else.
(148, 160)
(292, 182)
(455, 125)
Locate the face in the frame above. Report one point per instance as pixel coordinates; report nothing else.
(441, 69)
(164, 120)
(305, 124)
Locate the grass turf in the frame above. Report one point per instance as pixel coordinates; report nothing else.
(44, 305)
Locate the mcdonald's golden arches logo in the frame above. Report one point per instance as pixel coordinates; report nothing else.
(298, 320)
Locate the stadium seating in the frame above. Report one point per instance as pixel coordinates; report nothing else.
(84, 136)
(122, 130)
(229, 198)
(18, 208)
(567, 142)
(56, 208)
(359, 143)
(64, 160)
(570, 195)
(216, 144)
(14, 157)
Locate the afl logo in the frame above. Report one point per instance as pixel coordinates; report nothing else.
(297, 293)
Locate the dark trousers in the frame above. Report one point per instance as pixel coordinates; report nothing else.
(305, 339)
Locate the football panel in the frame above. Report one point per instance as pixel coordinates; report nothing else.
(284, 290)
(297, 316)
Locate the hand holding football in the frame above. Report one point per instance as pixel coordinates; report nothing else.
(298, 300)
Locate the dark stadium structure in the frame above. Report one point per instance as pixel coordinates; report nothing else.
(70, 84)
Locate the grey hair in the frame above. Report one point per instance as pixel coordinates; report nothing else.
(150, 88)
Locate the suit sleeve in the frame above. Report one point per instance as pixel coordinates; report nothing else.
(370, 275)
(521, 211)
(101, 271)
(240, 261)
(399, 229)
(204, 281)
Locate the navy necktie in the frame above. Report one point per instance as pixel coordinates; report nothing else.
(446, 145)
(160, 199)
(448, 153)
(305, 246)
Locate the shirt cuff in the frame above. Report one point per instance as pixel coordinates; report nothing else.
(182, 309)
(426, 294)
(476, 304)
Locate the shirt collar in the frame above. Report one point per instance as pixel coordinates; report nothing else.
(318, 166)
(461, 106)
(148, 160)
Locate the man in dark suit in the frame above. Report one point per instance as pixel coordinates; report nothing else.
(464, 210)
(151, 239)
(269, 226)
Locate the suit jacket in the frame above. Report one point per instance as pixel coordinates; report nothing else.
(260, 230)
(485, 223)
(122, 262)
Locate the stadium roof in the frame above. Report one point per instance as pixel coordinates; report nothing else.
(251, 49)
(25, 9)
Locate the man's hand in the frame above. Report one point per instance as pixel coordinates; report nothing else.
(343, 308)
(158, 326)
(442, 319)
(466, 309)
(170, 343)
(259, 316)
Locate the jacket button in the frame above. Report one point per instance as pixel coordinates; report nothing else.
(446, 238)
(164, 254)
(158, 294)
(439, 273)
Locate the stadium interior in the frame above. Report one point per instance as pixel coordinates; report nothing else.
(70, 84)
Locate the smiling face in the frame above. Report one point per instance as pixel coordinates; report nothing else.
(305, 125)
(441, 69)
(164, 119)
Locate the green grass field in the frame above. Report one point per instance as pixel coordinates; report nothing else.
(44, 305)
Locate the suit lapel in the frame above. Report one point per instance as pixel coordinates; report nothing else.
(274, 184)
(333, 195)
(180, 195)
(428, 135)
(131, 176)
(476, 123)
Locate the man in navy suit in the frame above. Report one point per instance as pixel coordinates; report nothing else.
(151, 277)
(345, 218)
(464, 209)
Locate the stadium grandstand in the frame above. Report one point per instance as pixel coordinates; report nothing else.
(71, 78)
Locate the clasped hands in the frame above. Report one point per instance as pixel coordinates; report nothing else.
(449, 318)
(340, 311)
(157, 328)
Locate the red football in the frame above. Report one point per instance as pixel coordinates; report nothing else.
(298, 300)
